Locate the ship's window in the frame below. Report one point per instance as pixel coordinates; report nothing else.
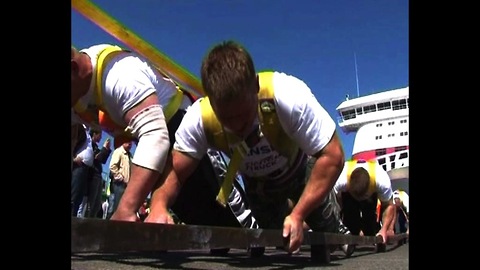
(400, 148)
(392, 157)
(384, 166)
(381, 161)
(384, 106)
(369, 108)
(378, 125)
(359, 110)
(393, 165)
(350, 114)
(403, 121)
(403, 155)
(399, 104)
(406, 133)
(380, 152)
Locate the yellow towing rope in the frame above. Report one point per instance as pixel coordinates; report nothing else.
(180, 75)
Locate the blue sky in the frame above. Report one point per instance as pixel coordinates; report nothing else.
(317, 41)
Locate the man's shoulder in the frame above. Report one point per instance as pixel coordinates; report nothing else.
(95, 49)
(286, 80)
(119, 150)
(196, 108)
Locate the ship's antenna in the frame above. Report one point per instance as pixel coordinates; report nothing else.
(356, 73)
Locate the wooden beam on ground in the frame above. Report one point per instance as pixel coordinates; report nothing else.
(99, 235)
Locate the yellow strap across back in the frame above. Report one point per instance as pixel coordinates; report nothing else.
(351, 164)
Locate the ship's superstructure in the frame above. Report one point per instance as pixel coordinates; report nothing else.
(381, 124)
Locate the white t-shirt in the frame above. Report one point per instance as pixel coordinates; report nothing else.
(301, 116)
(382, 180)
(128, 78)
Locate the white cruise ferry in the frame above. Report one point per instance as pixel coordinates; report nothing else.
(381, 124)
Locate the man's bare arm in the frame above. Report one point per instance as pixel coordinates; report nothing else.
(165, 194)
(388, 216)
(326, 170)
(142, 178)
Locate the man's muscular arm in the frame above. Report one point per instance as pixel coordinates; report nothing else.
(150, 128)
(165, 195)
(326, 170)
(388, 219)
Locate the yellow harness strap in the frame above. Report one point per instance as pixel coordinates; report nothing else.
(269, 122)
(239, 153)
(93, 117)
(269, 125)
(169, 110)
(104, 57)
(351, 165)
(213, 129)
(173, 105)
(219, 138)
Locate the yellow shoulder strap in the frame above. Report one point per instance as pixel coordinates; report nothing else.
(173, 105)
(269, 122)
(212, 127)
(371, 171)
(215, 136)
(350, 166)
(103, 58)
(266, 108)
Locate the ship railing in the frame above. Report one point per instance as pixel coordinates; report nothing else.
(370, 117)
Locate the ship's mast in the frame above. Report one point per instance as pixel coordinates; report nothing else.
(356, 74)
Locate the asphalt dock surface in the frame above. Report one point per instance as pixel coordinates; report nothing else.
(364, 257)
